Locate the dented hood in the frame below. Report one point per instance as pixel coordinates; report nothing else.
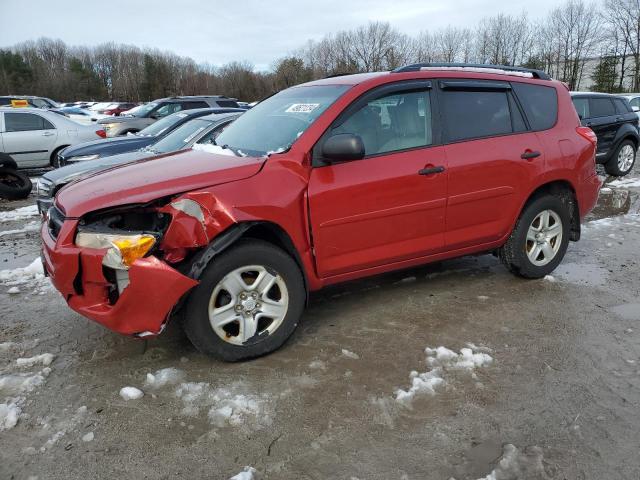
(153, 178)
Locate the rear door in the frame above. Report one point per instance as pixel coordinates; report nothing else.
(386, 207)
(29, 138)
(491, 155)
(603, 121)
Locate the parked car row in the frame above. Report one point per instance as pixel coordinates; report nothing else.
(329, 181)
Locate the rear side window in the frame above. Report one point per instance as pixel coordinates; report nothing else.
(190, 105)
(621, 106)
(601, 107)
(582, 107)
(476, 114)
(24, 122)
(540, 104)
(227, 103)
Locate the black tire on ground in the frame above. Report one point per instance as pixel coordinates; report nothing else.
(513, 253)
(13, 184)
(196, 311)
(7, 161)
(612, 167)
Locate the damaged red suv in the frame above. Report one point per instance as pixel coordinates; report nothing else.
(326, 182)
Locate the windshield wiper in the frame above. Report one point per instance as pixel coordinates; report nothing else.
(235, 151)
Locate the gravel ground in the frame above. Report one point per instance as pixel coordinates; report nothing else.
(549, 388)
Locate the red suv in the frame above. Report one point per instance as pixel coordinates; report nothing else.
(325, 182)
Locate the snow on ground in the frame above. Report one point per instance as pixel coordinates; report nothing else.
(63, 427)
(518, 464)
(443, 361)
(29, 227)
(227, 406)
(21, 213)
(624, 182)
(350, 354)
(629, 220)
(166, 376)
(246, 474)
(131, 393)
(44, 359)
(32, 276)
(88, 437)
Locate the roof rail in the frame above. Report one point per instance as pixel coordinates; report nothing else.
(472, 66)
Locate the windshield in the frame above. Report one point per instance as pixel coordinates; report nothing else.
(180, 137)
(275, 123)
(162, 125)
(99, 106)
(144, 110)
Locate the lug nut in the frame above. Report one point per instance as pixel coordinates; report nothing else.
(254, 295)
(238, 308)
(243, 296)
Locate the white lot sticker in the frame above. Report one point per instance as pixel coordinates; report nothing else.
(302, 107)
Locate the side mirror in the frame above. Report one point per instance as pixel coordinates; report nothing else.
(343, 147)
(635, 109)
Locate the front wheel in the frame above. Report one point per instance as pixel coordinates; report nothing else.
(249, 301)
(540, 238)
(623, 159)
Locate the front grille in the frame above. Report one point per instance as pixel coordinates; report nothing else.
(56, 219)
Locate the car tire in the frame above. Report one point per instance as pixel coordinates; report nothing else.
(539, 239)
(14, 185)
(55, 162)
(623, 159)
(250, 320)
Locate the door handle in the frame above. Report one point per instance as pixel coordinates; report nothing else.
(431, 170)
(47, 134)
(528, 155)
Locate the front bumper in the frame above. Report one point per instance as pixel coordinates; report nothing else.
(77, 273)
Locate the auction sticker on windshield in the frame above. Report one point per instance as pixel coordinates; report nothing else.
(302, 107)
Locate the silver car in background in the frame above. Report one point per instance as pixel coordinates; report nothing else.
(33, 137)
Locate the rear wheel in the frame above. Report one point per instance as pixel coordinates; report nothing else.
(623, 159)
(249, 301)
(13, 184)
(540, 238)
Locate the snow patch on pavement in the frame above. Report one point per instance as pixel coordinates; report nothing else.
(227, 406)
(516, 464)
(21, 213)
(9, 413)
(350, 354)
(88, 437)
(442, 361)
(14, 388)
(44, 359)
(131, 393)
(247, 474)
(32, 275)
(624, 182)
(64, 427)
(163, 377)
(29, 227)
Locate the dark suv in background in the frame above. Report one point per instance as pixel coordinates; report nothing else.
(615, 124)
(153, 111)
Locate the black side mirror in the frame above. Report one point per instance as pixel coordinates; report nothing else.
(343, 147)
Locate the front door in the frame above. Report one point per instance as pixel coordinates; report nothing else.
(390, 205)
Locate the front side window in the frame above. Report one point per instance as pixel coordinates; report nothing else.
(601, 107)
(24, 122)
(476, 114)
(275, 124)
(394, 122)
(167, 109)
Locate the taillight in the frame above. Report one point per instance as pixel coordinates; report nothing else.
(101, 133)
(587, 133)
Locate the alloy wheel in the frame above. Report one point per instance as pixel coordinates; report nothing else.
(544, 238)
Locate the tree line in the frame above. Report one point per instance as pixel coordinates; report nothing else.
(563, 43)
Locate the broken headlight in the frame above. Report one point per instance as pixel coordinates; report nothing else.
(123, 249)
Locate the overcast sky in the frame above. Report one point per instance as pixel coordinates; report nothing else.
(221, 31)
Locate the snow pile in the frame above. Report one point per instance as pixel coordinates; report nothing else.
(247, 474)
(88, 437)
(516, 465)
(629, 220)
(442, 360)
(226, 406)
(13, 388)
(21, 213)
(29, 227)
(44, 359)
(32, 275)
(166, 376)
(625, 182)
(349, 354)
(131, 393)
(211, 148)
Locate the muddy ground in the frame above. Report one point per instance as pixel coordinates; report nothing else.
(563, 385)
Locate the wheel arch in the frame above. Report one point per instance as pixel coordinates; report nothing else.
(55, 152)
(259, 230)
(563, 189)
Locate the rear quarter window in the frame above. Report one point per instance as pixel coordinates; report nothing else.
(622, 106)
(540, 104)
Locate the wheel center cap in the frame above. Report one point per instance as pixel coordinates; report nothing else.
(249, 304)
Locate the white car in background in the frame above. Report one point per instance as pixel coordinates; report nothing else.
(82, 115)
(33, 137)
(634, 100)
